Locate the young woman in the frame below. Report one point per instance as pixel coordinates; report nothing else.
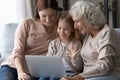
(67, 45)
(32, 38)
(100, 50)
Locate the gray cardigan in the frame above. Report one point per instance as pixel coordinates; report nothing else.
(57, 49)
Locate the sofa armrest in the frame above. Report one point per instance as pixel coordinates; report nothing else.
(7, 38)
(1, 60)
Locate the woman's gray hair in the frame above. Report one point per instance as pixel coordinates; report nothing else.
(89, 12)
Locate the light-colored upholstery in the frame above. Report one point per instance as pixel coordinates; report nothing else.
(7, 39)
(118, 32)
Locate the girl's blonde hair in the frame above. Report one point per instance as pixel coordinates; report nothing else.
(68, 19)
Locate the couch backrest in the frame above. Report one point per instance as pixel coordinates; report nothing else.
(7, 38)
(118, 31)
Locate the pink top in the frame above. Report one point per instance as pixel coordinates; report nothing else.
(31, 38)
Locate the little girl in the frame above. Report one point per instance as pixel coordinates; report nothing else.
(67, 45)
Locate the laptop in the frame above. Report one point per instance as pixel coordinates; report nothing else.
(47, 66)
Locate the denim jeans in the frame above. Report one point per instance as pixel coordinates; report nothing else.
(46, 78)
(106, 77)
(9, 73)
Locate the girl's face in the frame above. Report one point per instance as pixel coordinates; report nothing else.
(80, 25)
(48, 17)
(64, 29)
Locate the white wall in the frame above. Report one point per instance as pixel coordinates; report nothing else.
(7, 11)
(24, 9)
(12, 11)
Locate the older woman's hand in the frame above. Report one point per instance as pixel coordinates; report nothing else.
(77, 77)
(67, 78)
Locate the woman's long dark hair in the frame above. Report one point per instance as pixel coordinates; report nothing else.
(44, 4)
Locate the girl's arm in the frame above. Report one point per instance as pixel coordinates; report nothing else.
(74, 53)
(51, 48)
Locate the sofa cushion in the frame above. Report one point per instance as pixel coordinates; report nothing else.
(7, 38)
(118, 32)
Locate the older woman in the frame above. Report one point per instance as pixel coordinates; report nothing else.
(100, 50)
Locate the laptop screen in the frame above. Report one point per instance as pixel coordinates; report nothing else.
(47, 66)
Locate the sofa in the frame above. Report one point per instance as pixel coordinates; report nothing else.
(7, 33)
(7, 39)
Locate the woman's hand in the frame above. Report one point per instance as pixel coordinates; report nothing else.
(24, 76)
(77, 77)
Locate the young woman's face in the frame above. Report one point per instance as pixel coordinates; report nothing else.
(64, 29)
(48, 17)
(80, 25)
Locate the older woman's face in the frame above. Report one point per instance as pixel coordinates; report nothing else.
(80, 25)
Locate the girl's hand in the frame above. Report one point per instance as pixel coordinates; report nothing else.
(24, 76)
(72, 52)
